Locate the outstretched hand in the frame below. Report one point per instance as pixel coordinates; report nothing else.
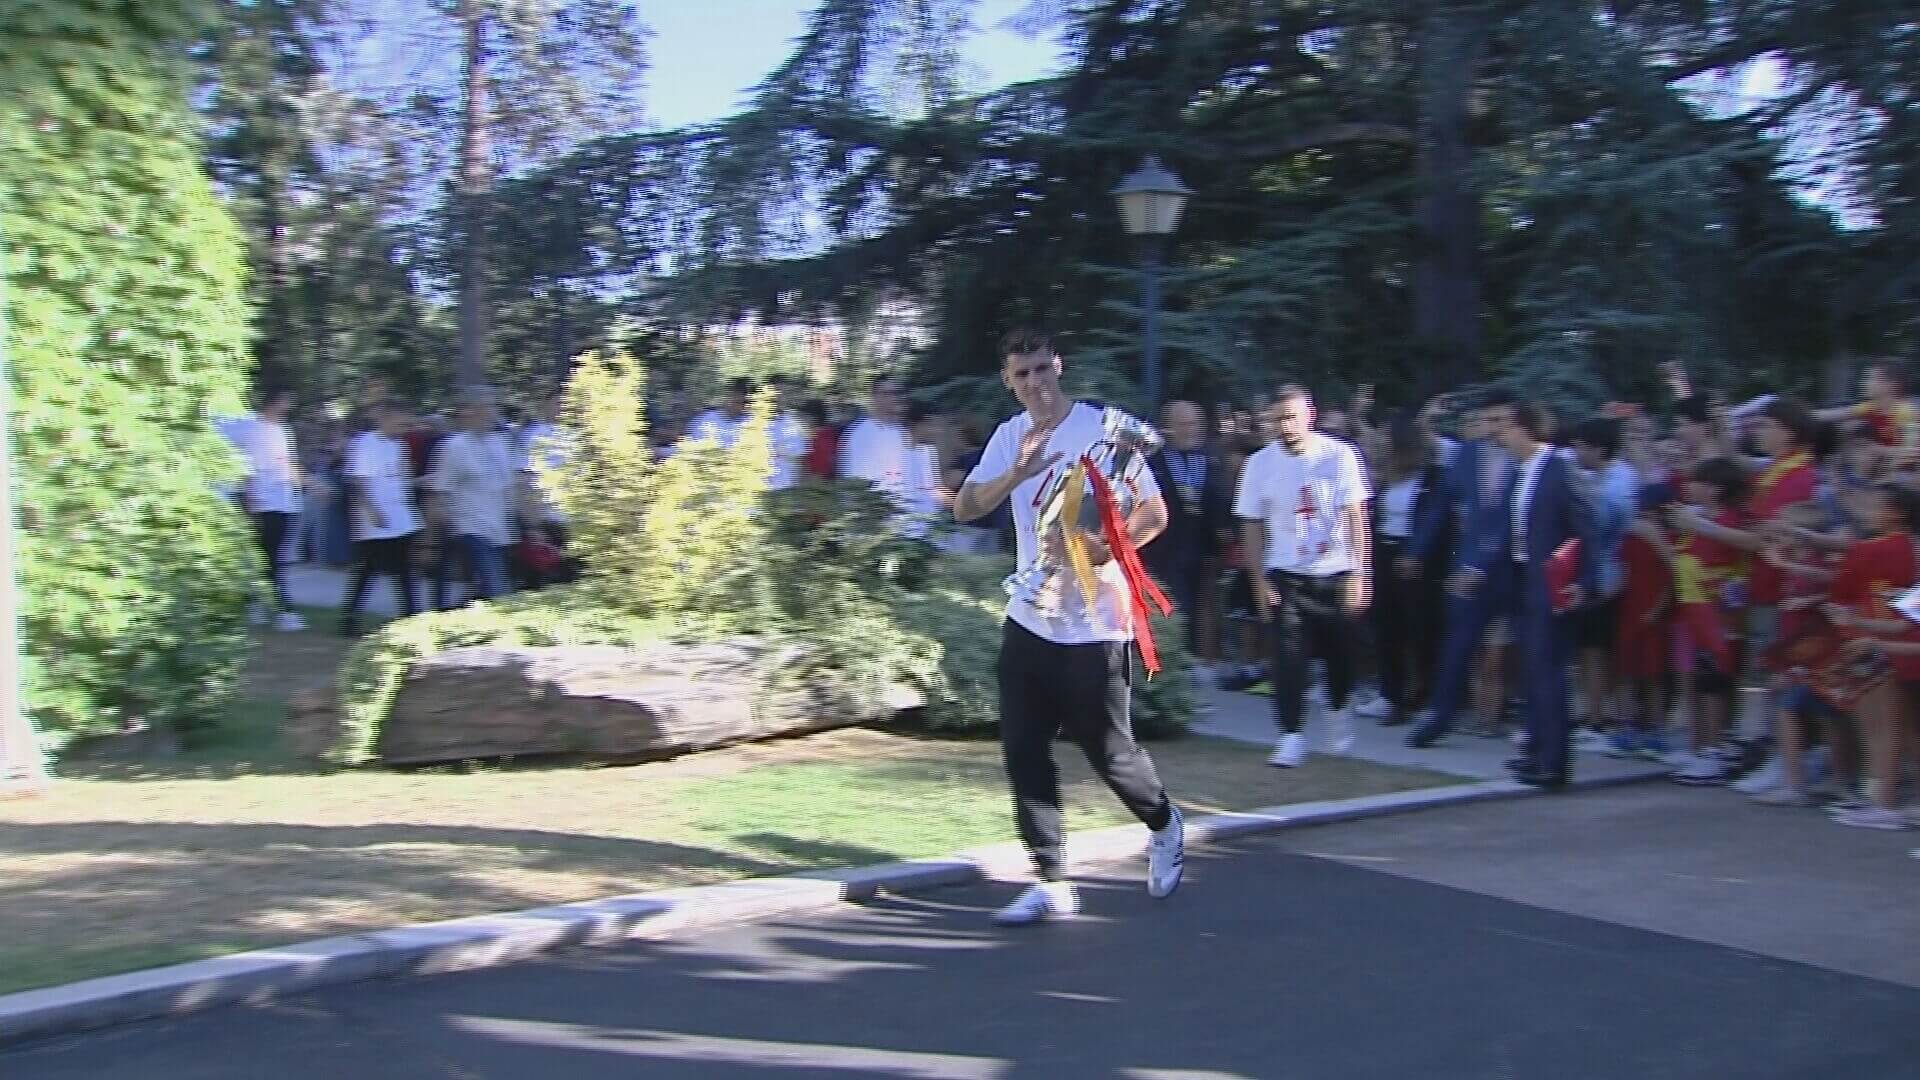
(1033, 458)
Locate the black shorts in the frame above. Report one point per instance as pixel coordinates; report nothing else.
(1593, 626)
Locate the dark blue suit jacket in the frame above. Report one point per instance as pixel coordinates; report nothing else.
(1483, 536)
(1561, 509)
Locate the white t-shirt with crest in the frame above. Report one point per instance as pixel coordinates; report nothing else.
(1302, 498)
(1111, 619)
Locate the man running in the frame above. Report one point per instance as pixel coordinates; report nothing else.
(1068, 668)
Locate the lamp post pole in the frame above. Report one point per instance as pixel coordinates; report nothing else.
(1150, 289)
(1150, 201)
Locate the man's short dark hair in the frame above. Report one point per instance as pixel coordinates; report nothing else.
(1292, 390)
(1602, 433)
(272, 391)
(1025, 341)
(1693, 409)
(742, 385)
(1531, 417)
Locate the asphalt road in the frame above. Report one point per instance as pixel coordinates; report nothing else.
(1270, 963)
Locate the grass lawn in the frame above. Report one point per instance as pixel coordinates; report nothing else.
(234, 845)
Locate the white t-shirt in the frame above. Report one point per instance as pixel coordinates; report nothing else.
(476, 473)
(547, 448)
(789, 438)
(880, 453)
(384, 470)
(1302, 499)
(1112, 618)
(273, 472)
(1396, 508)
(718, 426)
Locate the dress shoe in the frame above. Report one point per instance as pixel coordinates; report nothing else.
(1426, 735)
(1545, 781)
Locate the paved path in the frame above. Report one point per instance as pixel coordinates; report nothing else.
(1249, 718)
(1644, 932)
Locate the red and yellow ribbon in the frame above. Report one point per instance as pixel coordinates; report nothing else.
(1141, 589)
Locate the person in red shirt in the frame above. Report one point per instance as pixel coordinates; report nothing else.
(1871, 577)
(1643, 629)
(823, 447)
(1884, 409)
(1808, 571)
(1710, 588)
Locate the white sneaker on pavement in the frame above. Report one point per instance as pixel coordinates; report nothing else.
(1289, 752)
(1783, 795)
(1766, 778)
(1341, 732)
(1167, 857)
(289, 621)
(1047, 900)
(1371, 704)
(1704, 771)
(1872, 817)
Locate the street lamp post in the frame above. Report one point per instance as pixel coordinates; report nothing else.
(1150, 204)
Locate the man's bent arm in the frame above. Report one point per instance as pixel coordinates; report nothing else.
(1148, 520)
(976, 501)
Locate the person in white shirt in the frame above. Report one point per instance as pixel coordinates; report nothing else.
(1302, 502)
(880, 449)
(1069, 668)
(723, 424)
(474, 480)
(380, 473)
(788, 434)
(271, 493)
(546, 447)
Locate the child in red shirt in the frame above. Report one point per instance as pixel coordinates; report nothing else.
(1872, 574)
(1641, 630)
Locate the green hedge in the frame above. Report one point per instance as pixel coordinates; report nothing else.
(126, 331)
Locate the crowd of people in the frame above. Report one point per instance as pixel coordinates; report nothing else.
(1725, 590)
(1732, 606)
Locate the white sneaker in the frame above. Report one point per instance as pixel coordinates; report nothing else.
(1872, 817)
(1047, 900)
(1768, 777)
(1784, 795)
(1290, 751)
(289, 621)
(1705, 771)
(1167, 857)
(1681, 758)
(1372, 704)
(1341, 733)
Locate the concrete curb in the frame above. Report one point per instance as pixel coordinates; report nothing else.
(491, 940)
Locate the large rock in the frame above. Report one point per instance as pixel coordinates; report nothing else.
(603, 701)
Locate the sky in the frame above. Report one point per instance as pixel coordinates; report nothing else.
(705, 54)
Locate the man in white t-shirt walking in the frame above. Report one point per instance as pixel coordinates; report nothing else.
(1070, 668)
(271, 493)
(1303, 509)
(380, 473)
(474, 478)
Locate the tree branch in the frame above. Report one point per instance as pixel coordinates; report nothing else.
(1332, 134)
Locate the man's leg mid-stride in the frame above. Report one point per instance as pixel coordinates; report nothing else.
(1087, 688)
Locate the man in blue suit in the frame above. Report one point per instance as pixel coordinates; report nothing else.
(1550, 506)
(1472, 510)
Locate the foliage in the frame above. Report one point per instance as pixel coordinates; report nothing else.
(697, 548)
(372, 671)
(126, 327)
